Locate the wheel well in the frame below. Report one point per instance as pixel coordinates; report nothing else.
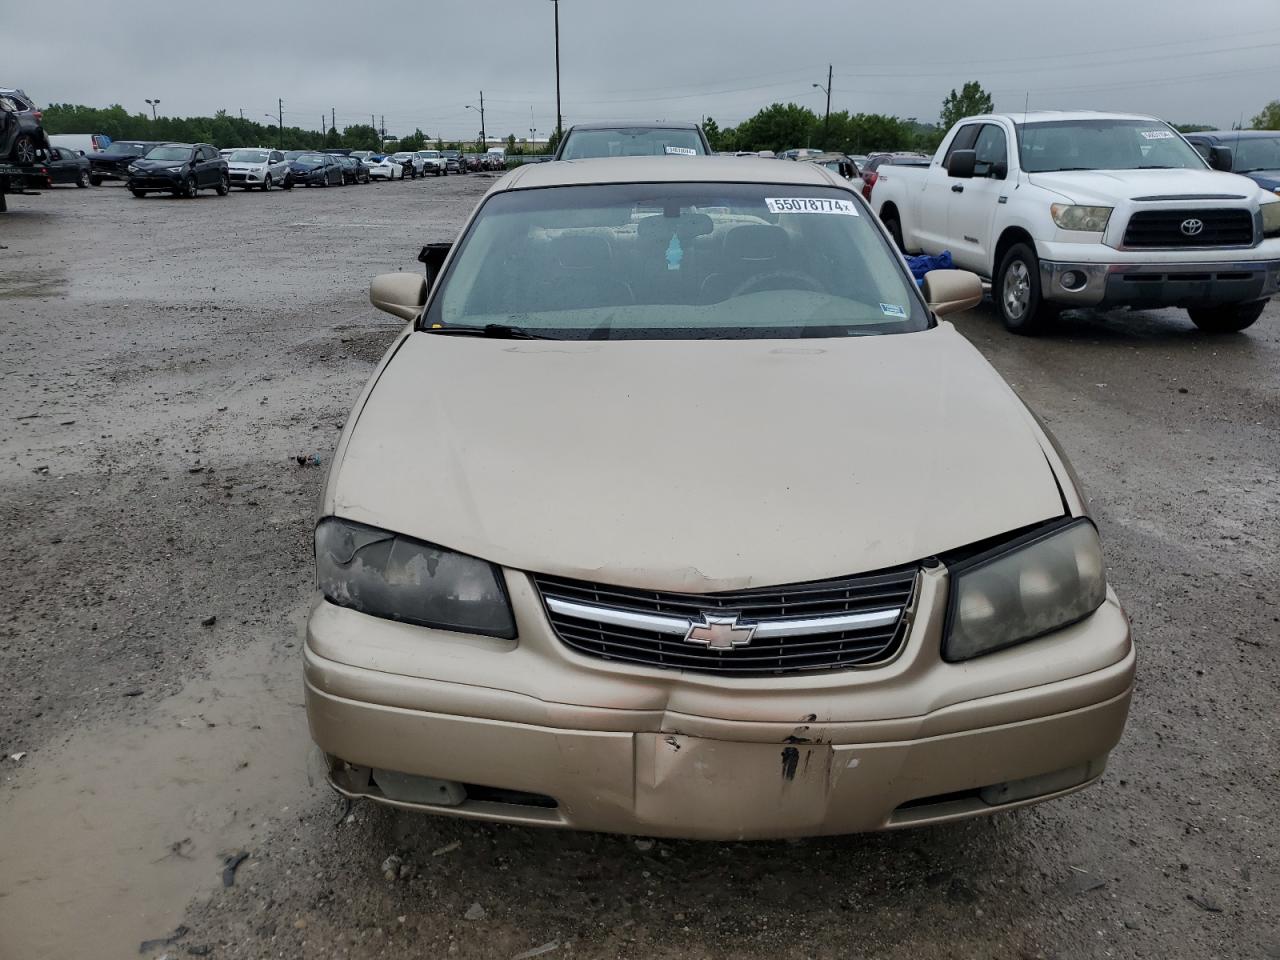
(890, 209)
(1011, 236)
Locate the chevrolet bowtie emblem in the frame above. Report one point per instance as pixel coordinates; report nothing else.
(720, 633)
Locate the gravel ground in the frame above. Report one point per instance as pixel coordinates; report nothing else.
(165, 363)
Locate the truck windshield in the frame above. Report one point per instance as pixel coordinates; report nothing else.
(1103, 145)
(676, 261)
(632, 142)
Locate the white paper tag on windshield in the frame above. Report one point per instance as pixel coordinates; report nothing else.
(844, 208)
(893, 310)
(683, 151)
(1157, 135)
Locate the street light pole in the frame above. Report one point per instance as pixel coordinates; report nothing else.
(153, 104)
(826, 118)
(559, 117)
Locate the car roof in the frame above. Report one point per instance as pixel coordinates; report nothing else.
(566, 173)
(1051, 116)
(628, 124)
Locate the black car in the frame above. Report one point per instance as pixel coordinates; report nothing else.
(353, 169)
(454, 162)
(316, 170)
(182, 169)
(60, 165)
(21, 133)
(1253, 153)
(113, 163)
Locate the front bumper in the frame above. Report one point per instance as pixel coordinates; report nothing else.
(1076, 284)
(108, 173)
(152, 181)
(530, 732)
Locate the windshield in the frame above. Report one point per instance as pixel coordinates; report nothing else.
(310, 160)
(632, 142)
(1104, 145)
(430, 154)
(170, 153)
(683, 260)
(248, 156)
(119, 148)
(1254, 153)
(293, 154)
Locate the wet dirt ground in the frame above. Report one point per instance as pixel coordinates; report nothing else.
(165, 362)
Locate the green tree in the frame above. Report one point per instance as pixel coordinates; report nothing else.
(415, 141)
(778, 127)
(511, 143)
(361, 136)
(970, 101)
(1269, 118)
(714, 136)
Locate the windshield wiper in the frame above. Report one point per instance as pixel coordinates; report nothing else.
(495, 331)
(1158, 166)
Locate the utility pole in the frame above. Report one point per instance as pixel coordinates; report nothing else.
(242, 113)
(333, 118)
(559, 117)
(384, 131)
(826, 118)
(280, 128)
(484, 140)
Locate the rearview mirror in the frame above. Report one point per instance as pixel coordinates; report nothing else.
(961, 164)
(1220, 158)
(399, 294)
(950, 291)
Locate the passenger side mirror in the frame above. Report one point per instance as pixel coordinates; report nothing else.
(1220, 158)
(962, 163)
(433, 256)
(399, 294)
(950, 291)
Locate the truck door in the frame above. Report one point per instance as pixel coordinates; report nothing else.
(935, 201)
(974, 202)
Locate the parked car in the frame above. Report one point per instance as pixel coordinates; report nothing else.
(354, 170)
(433, 162)
(316, 170)
(1254, 153)
(475, 162)
(182, 169)
(654, 670)
(85, 143)
(585, 140)
(454, 161)
(838, 163)
(1081, 209)
(59, 165)
(498, 157)
(870, 171)
(259, 167)
(412, 163)
(364, 155)
(384, 168)
(113, 162)
(21, 131)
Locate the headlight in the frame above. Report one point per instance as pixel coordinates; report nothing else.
(1089, 219)
(387, 575)
(133, 168)
(1023, 591)
(1271, 218)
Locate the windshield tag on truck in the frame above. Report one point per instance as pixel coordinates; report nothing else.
(682, 151)
(843, 208)
(893, 310)
(1157, 135)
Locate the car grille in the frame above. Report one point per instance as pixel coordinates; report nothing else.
(824, 625)
(1163, 228)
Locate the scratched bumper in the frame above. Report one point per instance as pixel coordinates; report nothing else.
(529, 732)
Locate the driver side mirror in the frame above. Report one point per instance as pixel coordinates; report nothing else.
(399, 294)
(950, 291)
(962, 163)
(1220, 158)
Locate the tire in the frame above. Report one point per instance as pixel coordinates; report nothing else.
(1017, 293)
(325, 183)
(1229, 318)
(191, 189)
(138, 193)
(24, 150)
(82, 181)
(95, 181)
(224, 185)
(267, 184)
(288, 181)
(894, 226)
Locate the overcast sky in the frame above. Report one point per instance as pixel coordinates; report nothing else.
(418, 63)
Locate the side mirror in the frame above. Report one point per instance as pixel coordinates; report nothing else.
(950, 291)
(399, 294)
(1220, 158)
(433, 256)
(848, 170)
(999, 170)
(962, 163)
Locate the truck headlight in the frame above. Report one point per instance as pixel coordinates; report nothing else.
(1068, 216)
(1024, 590)
(388, 575)
(1271, 218)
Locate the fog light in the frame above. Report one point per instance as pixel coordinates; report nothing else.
(1073, 280)
(408, 788)
(1016, 790)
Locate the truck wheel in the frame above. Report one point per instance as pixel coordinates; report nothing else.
(1017, 293)
(894, 226)
(1230, 318)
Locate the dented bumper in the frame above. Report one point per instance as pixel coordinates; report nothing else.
(529, 732)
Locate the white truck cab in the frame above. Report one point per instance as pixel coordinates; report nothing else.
(1086, 209)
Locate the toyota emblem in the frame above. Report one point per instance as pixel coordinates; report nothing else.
(1192, 227)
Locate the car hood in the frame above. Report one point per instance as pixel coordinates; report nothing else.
(694, 465)
(159, 164)
(246, 166)
(1269, 179)
(1107, 186)
(303, 167)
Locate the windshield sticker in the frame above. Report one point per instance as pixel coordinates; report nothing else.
(675, 253)
(682, 151)
(1157, 135)
(893, 310)
(843, 208)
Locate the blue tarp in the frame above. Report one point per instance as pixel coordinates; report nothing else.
(923, 264)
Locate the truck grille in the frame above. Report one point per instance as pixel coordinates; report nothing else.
(1164, 228)
(825, 625)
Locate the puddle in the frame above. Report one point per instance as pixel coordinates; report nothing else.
(106, 839)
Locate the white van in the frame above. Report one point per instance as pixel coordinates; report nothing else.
(85, 143)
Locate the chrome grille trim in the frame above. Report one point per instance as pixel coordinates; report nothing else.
(765, 629)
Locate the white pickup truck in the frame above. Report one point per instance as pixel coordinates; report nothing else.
(1090, 210)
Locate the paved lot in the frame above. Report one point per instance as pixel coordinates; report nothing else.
(165, 362)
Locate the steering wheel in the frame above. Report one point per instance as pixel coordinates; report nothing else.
(807, 282)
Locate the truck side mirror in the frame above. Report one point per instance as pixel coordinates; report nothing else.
(962, 163)
(1220, 158)
(433, 256)
(999, 170)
